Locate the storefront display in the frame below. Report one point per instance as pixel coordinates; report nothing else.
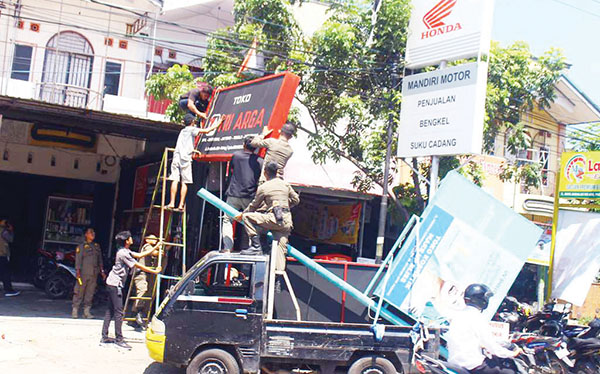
(66, 222)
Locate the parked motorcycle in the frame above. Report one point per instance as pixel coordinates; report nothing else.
(514, 313)
(45, 267)
(543, 354)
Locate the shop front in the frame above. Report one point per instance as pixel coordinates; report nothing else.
(59, 172)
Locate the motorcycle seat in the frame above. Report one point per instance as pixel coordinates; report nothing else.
(455, 368)
(589, 343)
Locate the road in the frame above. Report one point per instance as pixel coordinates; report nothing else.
(37, 334)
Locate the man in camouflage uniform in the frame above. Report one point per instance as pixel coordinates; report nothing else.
(140, 278)
(279, 150)
(277, 197)
(88, 264)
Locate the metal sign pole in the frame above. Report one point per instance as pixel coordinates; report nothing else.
(435, 162)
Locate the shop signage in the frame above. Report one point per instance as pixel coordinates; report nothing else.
(335, 224)
(443, 111)
(462, 228)
(580, 175)
(245, 109)
(448, 30)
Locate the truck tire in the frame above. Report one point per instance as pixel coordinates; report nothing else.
(213, 361)
(372, 365)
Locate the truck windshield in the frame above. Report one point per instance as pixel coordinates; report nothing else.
(187, 275)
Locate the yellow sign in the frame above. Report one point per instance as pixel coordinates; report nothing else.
(336, 224)
(580, 175)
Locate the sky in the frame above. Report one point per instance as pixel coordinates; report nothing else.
(571, 25)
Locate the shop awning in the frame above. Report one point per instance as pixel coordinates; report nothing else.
(91, 120)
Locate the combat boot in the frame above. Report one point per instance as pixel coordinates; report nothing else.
(74, 313)
(86, 313)
(255, 247)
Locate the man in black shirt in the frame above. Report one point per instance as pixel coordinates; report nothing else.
(244, 168)
(196, 100)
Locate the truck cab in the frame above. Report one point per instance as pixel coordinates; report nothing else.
(217, 318)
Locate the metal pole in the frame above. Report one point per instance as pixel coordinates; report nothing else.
(362, 228)
(384, 197)
(435, 161)
(553, 237)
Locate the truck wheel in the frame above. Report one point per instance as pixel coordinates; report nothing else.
(213, 361)
(372, 365)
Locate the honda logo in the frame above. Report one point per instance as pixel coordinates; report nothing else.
(434, 19)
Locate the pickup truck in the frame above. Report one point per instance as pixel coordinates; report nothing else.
(220, 319)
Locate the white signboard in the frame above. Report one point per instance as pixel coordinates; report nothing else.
(442, 111)
(576, 255)
(447, 30)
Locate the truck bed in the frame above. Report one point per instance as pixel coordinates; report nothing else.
(318, 341)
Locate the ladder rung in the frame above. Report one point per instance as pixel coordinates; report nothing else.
(174, 244)
(140, 298)
(171, 209)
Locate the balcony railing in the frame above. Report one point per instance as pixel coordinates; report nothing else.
(66, 94)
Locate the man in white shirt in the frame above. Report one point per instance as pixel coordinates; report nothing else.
(470, 334)
(181, 166)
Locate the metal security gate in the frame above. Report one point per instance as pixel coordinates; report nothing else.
(67, 70)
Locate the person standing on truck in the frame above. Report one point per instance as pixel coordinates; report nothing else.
(88, 265)
(195, 101)
(140, 278)
(470, 334)
(181, 166)
(278, 150)
(278, 197)
(245, 170)
(124, 261)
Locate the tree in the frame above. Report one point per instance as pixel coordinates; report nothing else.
(518, 82)
(351, 72)
(585, 138)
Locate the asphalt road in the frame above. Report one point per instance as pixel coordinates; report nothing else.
(38, 335)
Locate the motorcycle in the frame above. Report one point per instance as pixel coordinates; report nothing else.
(581, 341)
(514, 313)
(61, 280)
(428, 365)
(544, 354)
(45, 267)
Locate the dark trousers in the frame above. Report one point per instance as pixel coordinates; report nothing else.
(5, 274)
(492, 366)
(114, 311)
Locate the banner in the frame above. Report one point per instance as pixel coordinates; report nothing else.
(576, 255)
(443, 111)
(245, 109)
(335, 224)
(143, 186)
(465, 236)
(448, 30)
(580, 175)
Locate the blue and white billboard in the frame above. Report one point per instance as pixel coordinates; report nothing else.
(464, 236)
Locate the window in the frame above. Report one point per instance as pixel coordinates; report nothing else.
(223, 279)
(112, 77)
(21, 62)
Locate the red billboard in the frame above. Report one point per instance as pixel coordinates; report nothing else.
(245, 109)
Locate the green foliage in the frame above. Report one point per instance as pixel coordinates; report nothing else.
(517, 82)
(527, 174)
(585, 138)
(176, 81)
